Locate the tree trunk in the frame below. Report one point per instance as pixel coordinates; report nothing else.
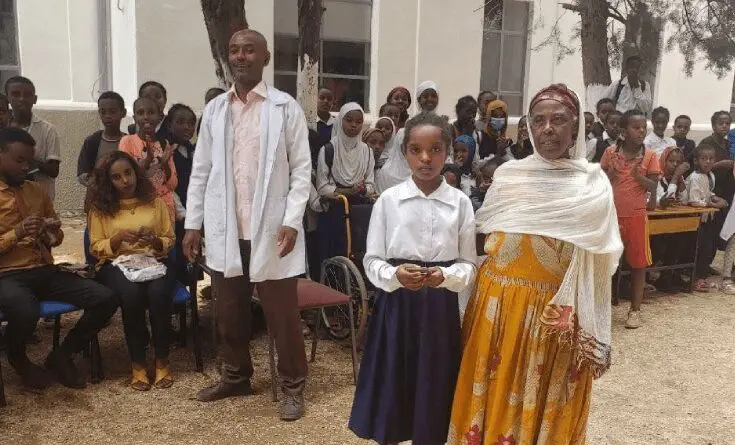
(223, 18)
(307, 82)
(643, 37)
(595, 55)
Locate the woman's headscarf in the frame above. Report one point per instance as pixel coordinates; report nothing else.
(352, 157)
(576, 201)
(468, 141)
(665, 156)
(396, 169)
(496, 104)
(424, 86)
(366, 134)
(404, 113)
(662, 163)
(390, 143)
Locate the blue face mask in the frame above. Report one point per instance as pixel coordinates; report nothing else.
(497, 123)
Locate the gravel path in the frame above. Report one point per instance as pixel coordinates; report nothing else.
(671, 383)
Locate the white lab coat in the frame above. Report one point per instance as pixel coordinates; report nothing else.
(280, 196)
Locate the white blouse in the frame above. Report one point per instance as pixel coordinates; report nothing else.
(406, 224)
(700, 189)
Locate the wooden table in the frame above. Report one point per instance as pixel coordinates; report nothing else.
(670, 221)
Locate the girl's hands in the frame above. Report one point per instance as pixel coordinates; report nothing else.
(435, 277)
(411, 276)
(168, 152)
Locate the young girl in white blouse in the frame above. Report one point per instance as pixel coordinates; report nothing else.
(420, 254)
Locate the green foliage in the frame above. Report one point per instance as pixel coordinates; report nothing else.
(705, 31)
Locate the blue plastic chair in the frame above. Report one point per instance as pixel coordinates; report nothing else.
(54, 310)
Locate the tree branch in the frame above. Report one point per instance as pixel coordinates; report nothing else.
(613, 12)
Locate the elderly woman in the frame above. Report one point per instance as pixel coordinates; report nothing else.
(537, 330)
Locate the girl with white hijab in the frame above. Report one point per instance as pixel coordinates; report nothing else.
(351, 174)
(427, 96)
(396, 170)
(537, 330)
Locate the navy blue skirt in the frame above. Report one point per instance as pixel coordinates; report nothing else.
(409, 367)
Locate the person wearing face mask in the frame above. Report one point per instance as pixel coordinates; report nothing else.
(541, 308)
(493, 141)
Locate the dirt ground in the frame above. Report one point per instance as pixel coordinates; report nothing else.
(671, 383)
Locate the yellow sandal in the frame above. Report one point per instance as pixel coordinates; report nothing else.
(164, 378)
(140, 380)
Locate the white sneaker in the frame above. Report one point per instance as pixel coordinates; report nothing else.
(634, 320)
(728, 288)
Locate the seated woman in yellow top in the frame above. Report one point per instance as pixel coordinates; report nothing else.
(126, 218)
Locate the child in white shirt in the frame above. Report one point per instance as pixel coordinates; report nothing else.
(421, 252)
(700, 188)
(657, 139)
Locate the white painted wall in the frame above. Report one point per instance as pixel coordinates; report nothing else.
(395, 61)
(124, 49)
(449, 48)
(173, 48)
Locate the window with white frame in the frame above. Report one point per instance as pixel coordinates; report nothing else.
(9, 63)
(344, 67)
(505, 40)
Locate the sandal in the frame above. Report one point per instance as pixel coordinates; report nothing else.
(164, 378)
(140, 380)
(701, 286)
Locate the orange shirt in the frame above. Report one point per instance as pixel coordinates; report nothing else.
(136, 147)
(16, 204)
(630, 196)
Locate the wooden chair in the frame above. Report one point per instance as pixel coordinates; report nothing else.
(314, 296)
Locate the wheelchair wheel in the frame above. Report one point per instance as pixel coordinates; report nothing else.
(342, 275)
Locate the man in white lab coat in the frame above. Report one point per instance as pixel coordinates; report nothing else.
(249, 186)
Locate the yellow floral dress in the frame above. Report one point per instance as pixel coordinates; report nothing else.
(517, 384)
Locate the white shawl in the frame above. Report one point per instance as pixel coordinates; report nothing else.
(390, 142)
(569, 200)
(396, 169)
(352, 157)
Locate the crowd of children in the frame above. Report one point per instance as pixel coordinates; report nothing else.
(647, 169)
(148, 170)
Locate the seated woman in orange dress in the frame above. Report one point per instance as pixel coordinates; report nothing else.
(537, 330)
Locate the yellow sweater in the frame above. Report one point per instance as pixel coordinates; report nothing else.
(132, 215)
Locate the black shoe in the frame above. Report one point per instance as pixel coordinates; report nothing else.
(222, 390)
(33, 376)
(66, 372)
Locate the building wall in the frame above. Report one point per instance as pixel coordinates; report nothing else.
(73, 127)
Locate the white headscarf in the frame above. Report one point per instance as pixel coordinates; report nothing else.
(423, 86)
(576, 202)
(396, 169)
(390, 142)
(351, 156)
